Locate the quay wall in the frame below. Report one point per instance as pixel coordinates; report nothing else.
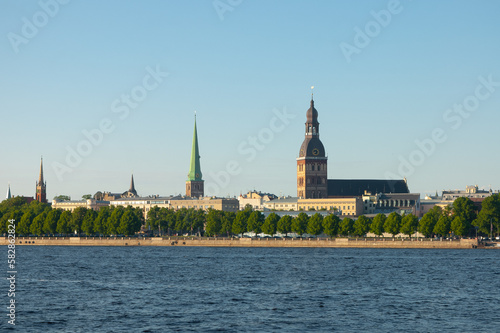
(246, 242)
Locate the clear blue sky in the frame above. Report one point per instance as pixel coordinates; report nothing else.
(238, 66)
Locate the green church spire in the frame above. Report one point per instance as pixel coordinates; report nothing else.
(195, 168)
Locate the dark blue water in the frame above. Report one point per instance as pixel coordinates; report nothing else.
(164, 289)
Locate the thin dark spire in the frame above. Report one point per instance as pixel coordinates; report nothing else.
(132, 187)
(40, 177)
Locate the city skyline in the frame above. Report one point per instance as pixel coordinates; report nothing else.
(403, 89)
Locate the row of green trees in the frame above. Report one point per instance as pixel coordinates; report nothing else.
(461, 219)
(40, 219)
(331, 225)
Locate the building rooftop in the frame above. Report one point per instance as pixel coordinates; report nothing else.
(357, 187)
(146, 198)
(285, 200)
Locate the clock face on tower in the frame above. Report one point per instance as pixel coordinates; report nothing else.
(197, 175)
(315, 151)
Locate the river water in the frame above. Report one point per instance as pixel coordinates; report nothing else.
(183, 289)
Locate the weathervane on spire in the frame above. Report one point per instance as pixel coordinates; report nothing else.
(312, 91)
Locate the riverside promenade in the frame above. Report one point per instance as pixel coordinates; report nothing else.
(247, 242)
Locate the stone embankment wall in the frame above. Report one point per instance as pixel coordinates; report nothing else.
(246, 242)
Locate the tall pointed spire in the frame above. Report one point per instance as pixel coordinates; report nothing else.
(132, 186)
(195, 168)
(195, 184)
(8, 194)
(41, 189)
(40, 177)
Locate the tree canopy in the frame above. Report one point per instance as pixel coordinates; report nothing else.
(392, 224)
(409, 224)
(299, 223)
(284, 225)
(429, 220)
(361, 226)
(270, 224)
(255, 222)
(442, 226)
(377, 225)
(489, 215)
(331, 225)
(346, 226)
(314, 225)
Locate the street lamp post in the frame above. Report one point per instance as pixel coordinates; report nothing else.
(491, 228)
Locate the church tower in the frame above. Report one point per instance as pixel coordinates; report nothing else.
(312, 181)
(8, 196)
(41, 194)
(131, 193)
(195, 184)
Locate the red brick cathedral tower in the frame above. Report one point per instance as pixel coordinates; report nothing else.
(41, 194)
(312, 181)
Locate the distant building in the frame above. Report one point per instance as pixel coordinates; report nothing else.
(108, 196)
(195, 183)
(72, 205)
(348, 206)
(28, 199)
(471, 191)
(386, 203)
(144, 203)
(41, 186)
(178, 202)
(448, 197)
(282, 204)
(430, 202)
(255, 199)
(206, 203)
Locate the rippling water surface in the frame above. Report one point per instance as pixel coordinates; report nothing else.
(162, 289)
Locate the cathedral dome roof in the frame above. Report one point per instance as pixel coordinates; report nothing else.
(312, 147)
